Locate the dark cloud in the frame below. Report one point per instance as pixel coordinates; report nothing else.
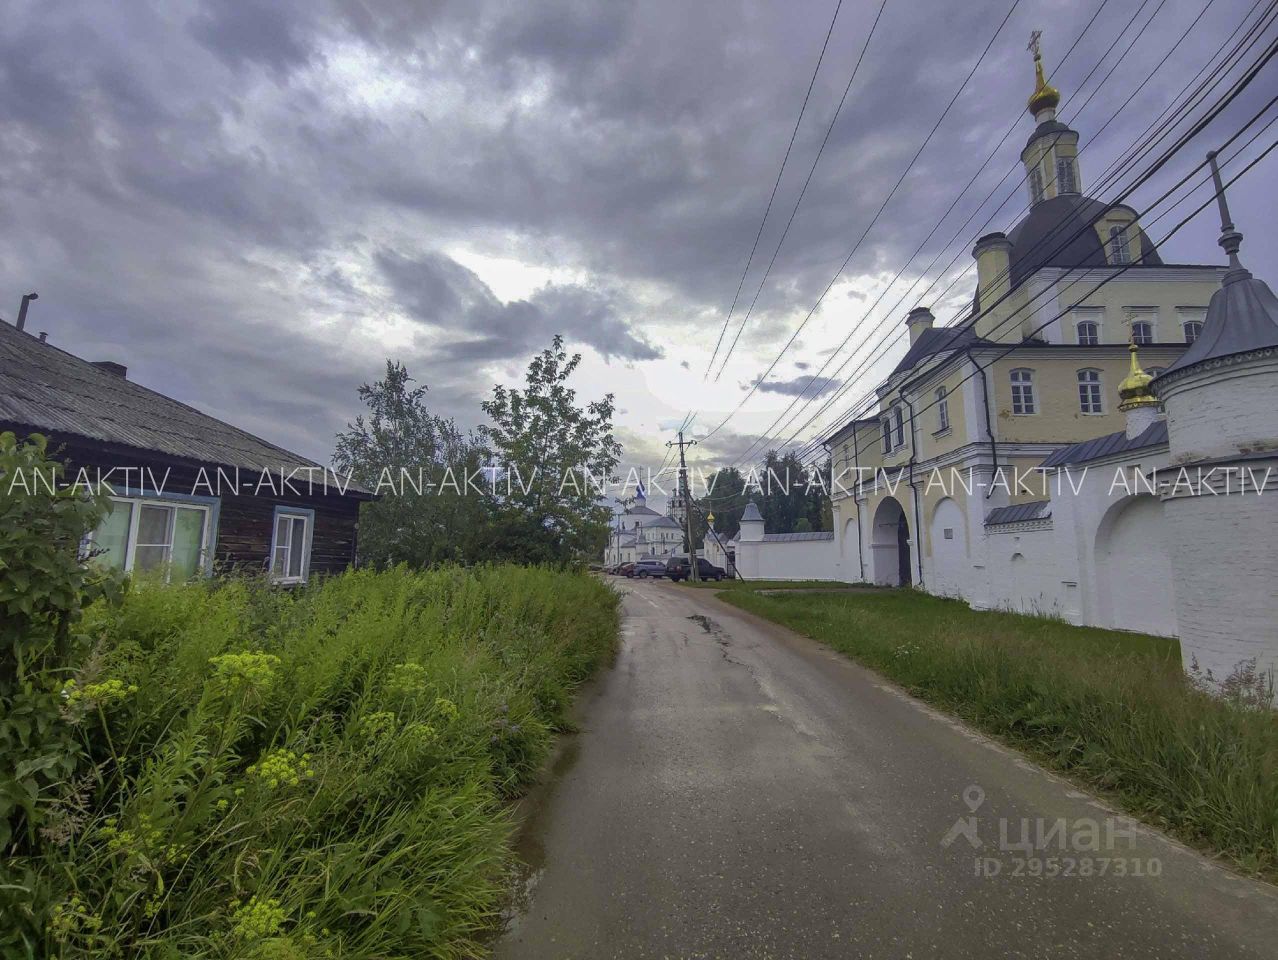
(806, 385)
(253, 203)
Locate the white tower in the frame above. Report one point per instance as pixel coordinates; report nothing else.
(751, 524)
(1221, 499)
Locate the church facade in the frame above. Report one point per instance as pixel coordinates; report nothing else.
(642, 532)
(1022, 459)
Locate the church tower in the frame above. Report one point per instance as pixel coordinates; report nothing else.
(1220, 498)
(1051, 155)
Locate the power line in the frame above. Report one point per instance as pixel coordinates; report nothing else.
(794, 133)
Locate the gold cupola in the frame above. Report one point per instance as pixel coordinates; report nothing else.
(1134, 390)
(1045, 96)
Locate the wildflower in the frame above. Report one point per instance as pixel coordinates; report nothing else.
(406, 679)
(102, 694)
(447, 709)
(378, 726)
(257, 919)
(282, 768)
(252, 670)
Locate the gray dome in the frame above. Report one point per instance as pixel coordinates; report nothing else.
(1052, 235)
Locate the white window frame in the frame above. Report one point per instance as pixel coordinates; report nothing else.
(307, 517)
(1146, 333)
(1066, 178)
(172, 505)
(1193, 317)
(1022, 381)
(1120, 253)
(942, 410)
(1092, 337)
(1091, 395)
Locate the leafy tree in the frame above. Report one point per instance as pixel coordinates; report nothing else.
(420, 464)
(554, 456)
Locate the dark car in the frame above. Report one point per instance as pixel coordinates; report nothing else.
(677, 569)
(626, 570)
(650, 567)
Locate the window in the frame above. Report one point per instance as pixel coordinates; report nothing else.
(899, 419)
(942, 411)
(887, 435)
(1089, 391)
(1035, 185)
(1191, 322)
(1066, 182)
(1088, 333)
(142, 535)
(1142, 332)
(1193, 330)
(1023, 392)
(291, 546)
(1118, 252)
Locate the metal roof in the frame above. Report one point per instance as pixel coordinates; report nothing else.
(937, 340)
(1019, 512)
(795, 537)
(1108, 445)
(1058, 233)
(45, 389)
(751, 512)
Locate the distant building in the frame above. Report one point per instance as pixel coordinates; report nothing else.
(642, 532)
(192, 494)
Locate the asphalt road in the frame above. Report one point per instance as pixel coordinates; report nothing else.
(737, 791)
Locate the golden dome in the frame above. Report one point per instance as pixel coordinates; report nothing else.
(1044, 95)
(1134, 390)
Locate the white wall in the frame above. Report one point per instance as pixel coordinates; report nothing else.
(788, 559)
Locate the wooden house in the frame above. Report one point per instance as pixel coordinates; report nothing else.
(189, 492)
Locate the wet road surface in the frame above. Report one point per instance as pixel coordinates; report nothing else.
(737, 791)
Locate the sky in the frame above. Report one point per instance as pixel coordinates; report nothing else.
(254, 203)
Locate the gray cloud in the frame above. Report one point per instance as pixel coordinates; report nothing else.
(807, 385)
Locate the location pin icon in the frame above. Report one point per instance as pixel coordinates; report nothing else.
(973, 796)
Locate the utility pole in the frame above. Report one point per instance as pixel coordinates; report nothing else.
(687, 522)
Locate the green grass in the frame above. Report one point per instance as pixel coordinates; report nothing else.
(1111, 709)
(756, 585)
(313, 774)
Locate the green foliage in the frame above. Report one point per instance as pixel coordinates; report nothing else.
(44, 583)
(792, 498)
(313, 773)
(1112, 709)
(399, 447)
(561, 453)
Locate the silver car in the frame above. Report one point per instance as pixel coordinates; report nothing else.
(649, 567)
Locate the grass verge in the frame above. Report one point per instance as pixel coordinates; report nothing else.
(319, 773)
(1111, 709)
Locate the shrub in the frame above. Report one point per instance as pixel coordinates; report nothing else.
(249, 772)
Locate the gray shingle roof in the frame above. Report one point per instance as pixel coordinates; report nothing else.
(1019, 512)
(751, 512)
(795, 537)
(1107, 445)
(48, 390)
(937, 340)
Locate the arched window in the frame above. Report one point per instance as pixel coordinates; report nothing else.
(1035, 184)
(942, 410)
(887, 435)
(899, 419)
(1088, 333)
(1142, 332)
(1118, 252)
(1193, 330)
(1023, 391)
(1066, 182)
(1089, 392)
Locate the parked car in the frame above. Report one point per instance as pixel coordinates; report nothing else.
(650, 567)
(677, 569)
(626, 570)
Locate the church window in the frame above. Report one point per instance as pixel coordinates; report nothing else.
(1066, 182)
(1036, 185)
(1142, 332)
(899, 419)
(1023, 392)
(1089, 392)
(1191, 322)
(942, 411)
(1193, 330)
(1118, 252)
(1088, 333)
(887, 435)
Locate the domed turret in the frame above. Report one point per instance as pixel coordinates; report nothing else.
(1136, 399)
(1045, 96)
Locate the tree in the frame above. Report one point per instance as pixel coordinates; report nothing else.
(556, 456)
(419, 463)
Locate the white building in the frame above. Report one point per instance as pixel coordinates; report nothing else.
(642, 532)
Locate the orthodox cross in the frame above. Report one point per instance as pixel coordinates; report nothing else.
(1033, 44)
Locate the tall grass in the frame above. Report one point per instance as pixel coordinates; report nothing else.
(1112, 709)
(310, 774)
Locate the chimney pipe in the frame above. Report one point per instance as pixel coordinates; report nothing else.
(22, 310)
(920, 319)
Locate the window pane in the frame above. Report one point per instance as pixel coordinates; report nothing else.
(111, 539)
(188, 536)
(279, 565)
(297, 547)
(153, 525)
(149, 558)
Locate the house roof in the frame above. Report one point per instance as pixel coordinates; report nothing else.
(1019, 512)
(660, 521)
(1057, 233)
(45, 389)
(796, 537)
(641, 511)
(1107, 446)
(938, 340)
(751, 512)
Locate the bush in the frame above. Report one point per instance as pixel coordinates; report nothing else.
(318, 773)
